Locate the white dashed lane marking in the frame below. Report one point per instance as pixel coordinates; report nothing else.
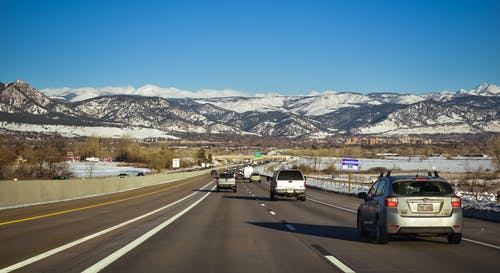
(290, 227)
(340, 265)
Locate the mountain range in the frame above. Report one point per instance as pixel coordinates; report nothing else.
(23, 108)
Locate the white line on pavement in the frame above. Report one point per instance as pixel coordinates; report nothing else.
(124, 250)
(339, 264)
(331, 205)
(290, 227)
(481, 243)
(84, 239)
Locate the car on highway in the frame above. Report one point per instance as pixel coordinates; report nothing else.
(410, 205)
(226, 180)
(255, 177)
(289, 183)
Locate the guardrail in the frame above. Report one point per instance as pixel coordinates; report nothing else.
(339, 185)
(32, 192)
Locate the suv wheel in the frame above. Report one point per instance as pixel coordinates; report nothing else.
(454, 238)
(380, 235)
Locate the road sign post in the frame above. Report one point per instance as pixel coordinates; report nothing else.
(350, 165)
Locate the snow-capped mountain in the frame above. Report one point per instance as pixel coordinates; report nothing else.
(330, 113)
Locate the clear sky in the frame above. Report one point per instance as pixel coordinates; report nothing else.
(288, 47)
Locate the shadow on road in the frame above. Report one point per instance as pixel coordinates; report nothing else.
(206, 190)
(333, 232)
(338, 232)
(244, 197)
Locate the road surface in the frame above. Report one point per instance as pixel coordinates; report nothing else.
(188, 227)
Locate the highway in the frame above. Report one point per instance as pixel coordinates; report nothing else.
(186, 226)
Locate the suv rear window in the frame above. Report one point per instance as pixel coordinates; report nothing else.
(226, 175)
(290, 175)
(427, 188)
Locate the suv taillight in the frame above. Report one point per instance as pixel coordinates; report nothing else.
(456, 202)
(391, 202)
(305, 184)
(275, 183)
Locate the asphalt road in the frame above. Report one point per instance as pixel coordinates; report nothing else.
(188, 227)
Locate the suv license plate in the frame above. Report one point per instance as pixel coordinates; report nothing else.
(289, 191)
(425, 207)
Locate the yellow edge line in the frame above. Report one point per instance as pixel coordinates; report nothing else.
(91, 206)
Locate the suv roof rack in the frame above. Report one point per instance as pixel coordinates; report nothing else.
(436, 174)
(387, 174)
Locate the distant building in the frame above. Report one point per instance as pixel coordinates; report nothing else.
(92, 159)
(71, 158)
(373, 141)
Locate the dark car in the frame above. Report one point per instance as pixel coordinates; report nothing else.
(410, 205)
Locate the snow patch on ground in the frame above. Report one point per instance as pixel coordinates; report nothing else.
(486, 201)
(74, 131)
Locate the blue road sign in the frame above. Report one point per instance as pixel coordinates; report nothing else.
(350, 165)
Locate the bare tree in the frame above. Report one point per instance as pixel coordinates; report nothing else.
(91, 165)
(472, 180)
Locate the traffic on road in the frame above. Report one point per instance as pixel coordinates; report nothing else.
(188, 226)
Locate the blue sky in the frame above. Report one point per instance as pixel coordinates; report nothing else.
(286, 47)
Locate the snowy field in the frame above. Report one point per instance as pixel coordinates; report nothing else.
(403, 163)
(103, 169)
(361, 182)
(75, 131)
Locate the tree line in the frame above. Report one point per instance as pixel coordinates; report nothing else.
(44, 158)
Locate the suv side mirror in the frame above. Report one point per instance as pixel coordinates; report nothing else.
(363, 195)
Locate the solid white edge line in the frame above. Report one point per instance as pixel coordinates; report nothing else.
(89, 237)
(330, 205)
(353, 211)
(124, 250)
(481, 243)
(339, 264)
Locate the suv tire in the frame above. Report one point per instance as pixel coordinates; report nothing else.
(380, 234)
(454, 238)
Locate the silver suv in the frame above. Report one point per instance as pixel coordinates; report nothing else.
(413, 205)
(226, 181)
(288, 183)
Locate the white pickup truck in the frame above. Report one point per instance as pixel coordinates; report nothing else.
(247, 172)
(288, 183)
(226, 181)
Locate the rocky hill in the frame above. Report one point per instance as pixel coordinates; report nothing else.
(475, 111)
